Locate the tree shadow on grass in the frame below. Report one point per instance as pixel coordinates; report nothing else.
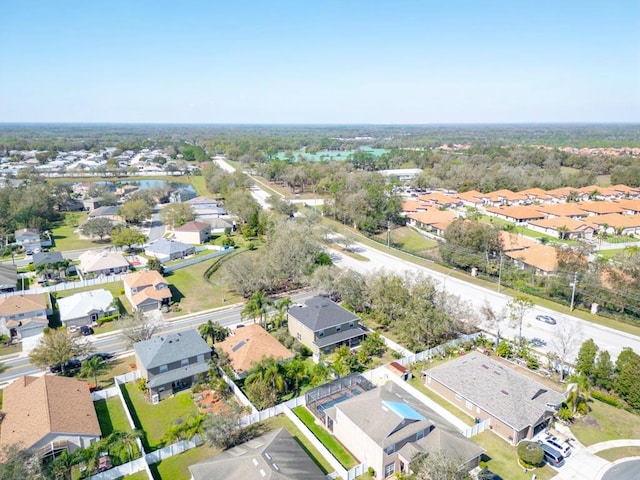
(136, 419)
(104, 417)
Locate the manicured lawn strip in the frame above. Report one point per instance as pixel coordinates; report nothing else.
(141, 475)
(155, 419)
(111, 416)
(614, 454)
(177, 467)
(604, 423)
(349, 253)
(502, 459)
(418, 383)
(326, 438)
(282, 421)
(409, 239)
(114, 368)
(9, 349)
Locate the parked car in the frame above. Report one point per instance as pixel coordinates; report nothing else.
(552, 456)
(546, 319)
(86, 330)
(103, 355)
(537, 342)
(70, 366)
(559, 445)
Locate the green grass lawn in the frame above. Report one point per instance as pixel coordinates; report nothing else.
(408, 239)
(604, 423)
(614, 454)
(114, 368)
(176, 467)
(502, 459)
(64, 236)
(111, 416)
(328, 440)
(418, 382)
(155, 419)
(141, 475)
(9, 349)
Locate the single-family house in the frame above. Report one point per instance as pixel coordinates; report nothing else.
(219, 225)
(386, 428)
(570, 210)
(46, 258)
(24, 315)
(169, 363)
(205, 207)
(471, 198)
(110, 212)
(517, 406)
(193, 233)
(503, 197)
(562, 227)
(273, 456)
(440, 200)
(48, 414)
(249, 345)
(323, 325)
(631, 206)
(414, 206)
(182, 194)
(146, 290)
(512, 241)
(617, 223)
(91, 203)
(165, 249)
(102, 263)
(85, 308)
(541, 258)
(28, 239)
(518, 214)
(8, 277)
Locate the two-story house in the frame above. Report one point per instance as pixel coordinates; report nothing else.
(169, 363)
(194, 233)
(146, 290)
(386, 428)
(8, 277)
(24, 315)
(28, 239)
(323, 325)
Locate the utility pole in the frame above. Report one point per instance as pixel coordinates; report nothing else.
(573, 291)
(500, 272)
(388, 233)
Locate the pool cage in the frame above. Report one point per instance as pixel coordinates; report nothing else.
(321, 398)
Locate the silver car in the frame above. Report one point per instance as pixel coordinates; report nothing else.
(562, 447)
(546, 319)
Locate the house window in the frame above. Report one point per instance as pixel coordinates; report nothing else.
(184, 362)
(351, 324)
(338, 328)
(390, 450)
(163, 368)
(298, 336)
(458, 398)
(389, 469)
(419, 434)
(200, 359)
(321, 333)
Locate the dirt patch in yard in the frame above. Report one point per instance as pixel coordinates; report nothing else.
(209, 401)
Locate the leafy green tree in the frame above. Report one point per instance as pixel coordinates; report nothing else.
(470, 244)
(213, 332)
(256, 307)
(627, 381)
(531, 453)
(270, 371)
(97, 227)
(92, 367)
(57, 347)
(438, 465)
(19, 464)
(585, 362)
(155, 264)
(518, 308)
(135, 211)
(505, 349)
(177, 214)
(603, 371)
(127, 237)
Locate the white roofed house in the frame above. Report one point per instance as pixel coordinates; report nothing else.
(102, 263)
(166, 250)
(204, 207)
(86, 307)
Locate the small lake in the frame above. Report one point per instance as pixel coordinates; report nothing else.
(332, 155)
(146, 184)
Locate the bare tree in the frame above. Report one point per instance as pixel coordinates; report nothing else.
(518, 308)
(140, 326)
(565, 343)
(438, 465)
(495, 319)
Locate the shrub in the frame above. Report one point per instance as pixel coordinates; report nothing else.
(605, 398)
(142, 385)
(531, 454)
(532, 362)
(505, 349)
(483, 465)
(102, 320)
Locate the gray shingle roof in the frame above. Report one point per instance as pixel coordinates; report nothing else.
(47, 257)
(340, 337)
(167, 247)
(273, 456)
(320, 313)
(170, 348)
(511, 397)
(177, 374)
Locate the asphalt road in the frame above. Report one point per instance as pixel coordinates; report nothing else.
(112, 342)
(606, 338)
(624, 471)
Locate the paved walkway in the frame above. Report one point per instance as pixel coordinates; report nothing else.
(599, 447)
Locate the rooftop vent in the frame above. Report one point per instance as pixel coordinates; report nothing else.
(506, 393)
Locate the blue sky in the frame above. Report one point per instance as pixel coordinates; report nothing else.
(308, 61)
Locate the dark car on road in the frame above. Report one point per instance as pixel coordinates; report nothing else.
(70, 366)
(546, 319)
(86, 330)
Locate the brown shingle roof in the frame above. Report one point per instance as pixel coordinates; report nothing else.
(249, 345)
(193, 226)
(142, 278)
(17, 304)
(37, 406)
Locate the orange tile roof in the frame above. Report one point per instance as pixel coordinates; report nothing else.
(512, 241)
(600, 207)
(472, 196)
(142, 278)
(151, 292)
(536, 193)
(504, 193)
(561, 192)
(438, 198)
(433, 216)
(37, 406)
(625, 190)
(571, 224)
(413, 206)
(249, 345)
(616, 220)
(630, 204)
(541, 257)
(561, 209)
(519, 212)
(17, 304)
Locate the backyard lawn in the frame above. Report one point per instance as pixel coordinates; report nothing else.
(328, 440)
(114, 368)
(418, 383)
(176, 467)
(111, 416)
(64, 236)
(154, 420)
(141, 475)
(604, 423)
(502, 459)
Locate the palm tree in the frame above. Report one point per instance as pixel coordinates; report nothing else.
(269, 371)
(129, 439)
(91, 367)
(213, 331)
(256, 307)
(296, 373)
